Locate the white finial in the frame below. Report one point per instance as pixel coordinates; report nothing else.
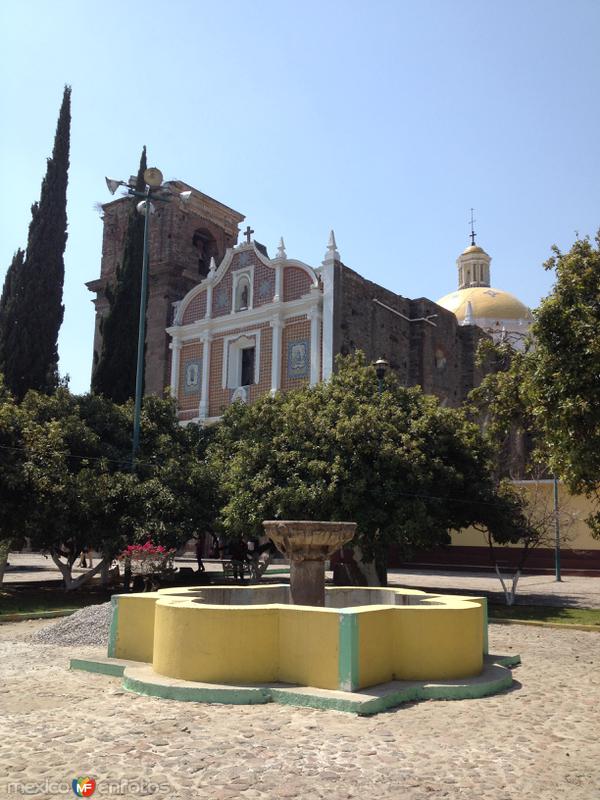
(213, 266)
(469, 318)
(281, 249)
(332, 253)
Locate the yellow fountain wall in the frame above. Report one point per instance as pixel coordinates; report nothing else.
(440, 639)
(309, 646)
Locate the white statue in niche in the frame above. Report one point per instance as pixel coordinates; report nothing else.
(242, 294)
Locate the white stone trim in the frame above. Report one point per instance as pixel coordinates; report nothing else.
(245, 272)
(232, 356)
(205, 388)
(315, 345)
(277, 325)
(175, 347)
(327, 276)
(209, 297)
(254, 316)
(278, 296)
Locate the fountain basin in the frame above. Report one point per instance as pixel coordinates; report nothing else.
(251, 635)
(308, 544)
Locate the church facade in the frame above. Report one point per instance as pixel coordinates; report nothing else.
(227, 323)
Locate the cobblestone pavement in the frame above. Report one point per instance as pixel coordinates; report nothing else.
(536, 742)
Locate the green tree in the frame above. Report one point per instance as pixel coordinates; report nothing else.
(502, 405)
(80, 492)
(114, 374)
(14, 489)
(405, 469)
(565, 385)
(31, 309)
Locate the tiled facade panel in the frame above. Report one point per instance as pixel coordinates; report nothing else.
(221, 300)
(196, 309)
(189, 400)
(296, 329)
(264, 285)
(296, 283)
(217, 396)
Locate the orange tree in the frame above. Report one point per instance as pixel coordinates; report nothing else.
(405, 469)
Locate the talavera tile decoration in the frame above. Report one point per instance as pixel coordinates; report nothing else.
(298, 359)
(192, 372)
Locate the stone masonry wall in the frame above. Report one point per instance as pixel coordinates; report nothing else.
(439, 357)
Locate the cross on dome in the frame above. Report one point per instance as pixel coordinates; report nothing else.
(473, 234)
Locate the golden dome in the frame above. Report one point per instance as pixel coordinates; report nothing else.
(473, 248)
(486, 303)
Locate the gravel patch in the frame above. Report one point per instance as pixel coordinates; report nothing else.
(87, 627)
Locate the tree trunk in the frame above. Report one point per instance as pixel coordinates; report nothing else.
(368, 569)
(4, 551)
(66, 567)
(127, 576)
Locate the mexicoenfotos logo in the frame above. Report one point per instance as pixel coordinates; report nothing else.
(84, 787)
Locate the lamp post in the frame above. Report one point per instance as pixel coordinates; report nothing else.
(381, 366)
(155, 190)
(557, 575)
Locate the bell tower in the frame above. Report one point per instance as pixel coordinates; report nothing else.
(183, 240)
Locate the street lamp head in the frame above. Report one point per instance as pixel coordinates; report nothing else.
(141, 208)
(153, 177)
(113, 185)
(381, 366)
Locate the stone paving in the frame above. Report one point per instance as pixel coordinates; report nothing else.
(536, 742)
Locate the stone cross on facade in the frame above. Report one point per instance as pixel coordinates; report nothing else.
(248, 234)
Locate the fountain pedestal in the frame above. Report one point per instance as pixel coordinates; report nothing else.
(308, 545)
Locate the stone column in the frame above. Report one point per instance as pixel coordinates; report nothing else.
(204, 396)
(276, 328)
(175, 362)
(307, 582)
(315, 346)
(278, 293)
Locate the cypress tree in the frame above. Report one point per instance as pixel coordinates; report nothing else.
(31, 309)
(114, 376)
(8, 300)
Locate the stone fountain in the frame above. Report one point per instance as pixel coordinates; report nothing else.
(351, 649)
(308, 545)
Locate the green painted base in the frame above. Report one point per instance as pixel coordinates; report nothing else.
(141, 679)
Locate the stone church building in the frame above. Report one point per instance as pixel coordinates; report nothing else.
(228, 322)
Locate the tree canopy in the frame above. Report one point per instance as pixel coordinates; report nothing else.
(565, 368)
(402, 467)
(66, 473)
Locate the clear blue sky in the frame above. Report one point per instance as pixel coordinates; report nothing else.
(385, 120)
